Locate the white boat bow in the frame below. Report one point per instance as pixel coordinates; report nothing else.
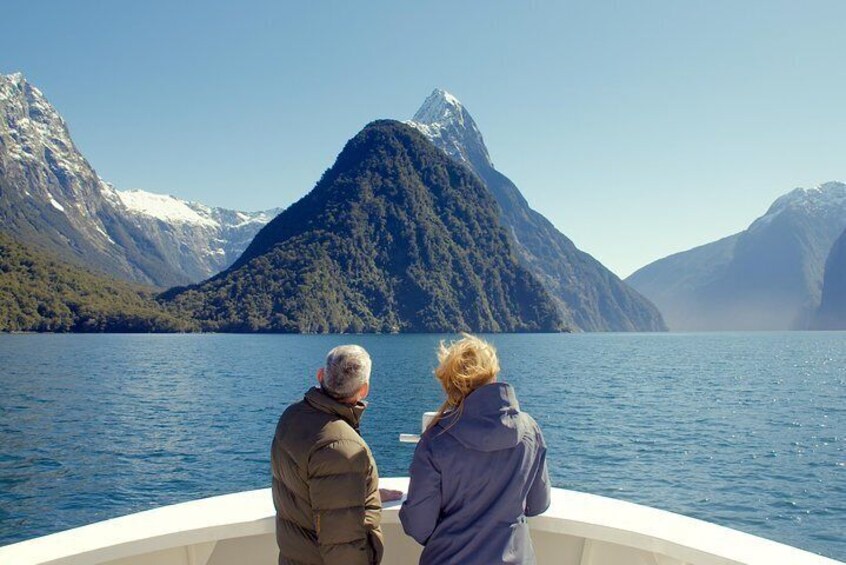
(578, 529)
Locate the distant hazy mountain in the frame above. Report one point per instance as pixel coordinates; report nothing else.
(588, 296)
(50, 196)
(768, 277)
(395, 237)
(831, 314)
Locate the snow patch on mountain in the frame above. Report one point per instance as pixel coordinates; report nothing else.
(201, 239)
(820, 196)
(818, 201)
(163, 207)
(55, 204)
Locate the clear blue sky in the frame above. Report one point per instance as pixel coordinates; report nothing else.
(638, 128)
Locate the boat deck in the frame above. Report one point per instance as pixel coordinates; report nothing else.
(578, 529)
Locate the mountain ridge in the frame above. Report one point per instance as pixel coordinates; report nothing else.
(200, 240)
(589, 296)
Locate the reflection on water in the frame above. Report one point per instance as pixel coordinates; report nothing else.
(746, 430)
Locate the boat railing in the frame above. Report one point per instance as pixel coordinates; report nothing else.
(578, 528)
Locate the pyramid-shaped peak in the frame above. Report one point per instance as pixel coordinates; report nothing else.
(440, 106)
(414, 183)
(447, 123)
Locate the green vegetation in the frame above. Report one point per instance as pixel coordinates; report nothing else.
(41, 294)
(394, 237)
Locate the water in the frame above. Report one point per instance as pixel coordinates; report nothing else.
(746, 430)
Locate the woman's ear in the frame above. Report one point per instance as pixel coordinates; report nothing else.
(320, 375)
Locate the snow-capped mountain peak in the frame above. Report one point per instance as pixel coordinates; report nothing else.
(36, 133)
(444, 120)
(55, 195)
(826, 195)
(824, 201)
(439, 107)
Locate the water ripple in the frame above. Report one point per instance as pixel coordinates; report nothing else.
(746, 430)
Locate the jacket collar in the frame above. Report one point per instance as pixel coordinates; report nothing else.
(350, 413)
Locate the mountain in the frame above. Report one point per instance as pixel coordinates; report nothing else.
(39, 293)
(198, 240)
(396, 236)
(52, 198)
(588, 296)
(831, 314)
(768, 277)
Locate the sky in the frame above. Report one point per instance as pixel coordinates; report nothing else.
(640, 129)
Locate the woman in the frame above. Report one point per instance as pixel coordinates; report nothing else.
(479, 469)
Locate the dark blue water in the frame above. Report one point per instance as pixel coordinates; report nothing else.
(746, 430)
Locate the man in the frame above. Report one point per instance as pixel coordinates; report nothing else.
(325, 481)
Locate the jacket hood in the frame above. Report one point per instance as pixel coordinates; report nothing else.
(351, 413)
(489, 421)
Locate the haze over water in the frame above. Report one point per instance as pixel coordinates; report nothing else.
(744, 429)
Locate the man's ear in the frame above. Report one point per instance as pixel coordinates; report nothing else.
(364, 391)
(320, 375)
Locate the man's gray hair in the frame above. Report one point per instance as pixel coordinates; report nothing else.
(347, 370)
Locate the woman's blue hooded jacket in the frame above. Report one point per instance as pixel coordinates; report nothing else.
(475, 477)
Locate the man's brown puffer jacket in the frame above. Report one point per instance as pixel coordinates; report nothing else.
(325, 485)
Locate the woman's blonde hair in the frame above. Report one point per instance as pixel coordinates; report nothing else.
(463, 366)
